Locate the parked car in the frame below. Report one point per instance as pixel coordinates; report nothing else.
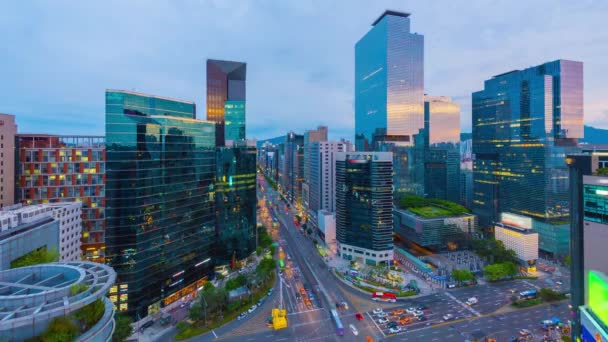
(377, 311)
(383, 320)
(241, 316)
(354, 330)
(381, 314)
(252, 308)
(395, 330)
(359, 316)
(392, 324)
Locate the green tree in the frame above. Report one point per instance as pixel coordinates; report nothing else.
(196, 311)
(235, 283)
(548, 295)
(273, 249)
(60, 329)
(35, 257)
(123, 328)
(510, 269)
(567, 260)
(258, 251)
(90, 314)
(462, 275)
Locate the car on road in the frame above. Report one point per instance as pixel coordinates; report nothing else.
(298, 296)
(410, 310)
(395, 330)
(559, 283)
(359, 316)
(447, 317)
(377, 311)
(418, 313)
(146, 325)
(422, 318)
(422, 307)
(345, 305)
(354, 330)
(381, 314)
(382, 320)
(252, 308)
(525, 332)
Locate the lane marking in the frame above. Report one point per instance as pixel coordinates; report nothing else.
(475, 312)
(214, 334)
(305, 311)
(377, 326)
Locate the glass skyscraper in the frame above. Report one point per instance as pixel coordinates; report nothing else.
(160, 167)
(389, 81)
(364, 202)
(235, 120)
(524, 123)
(226, 87)
(235, 198)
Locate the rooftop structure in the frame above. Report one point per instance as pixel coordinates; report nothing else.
(30, 297)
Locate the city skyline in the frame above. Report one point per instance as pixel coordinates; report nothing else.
(306, 50)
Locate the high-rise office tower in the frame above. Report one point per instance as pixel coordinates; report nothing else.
(8, 129)
(293, 170)
(589, 237)
(322, 183)
(235, 201)
(66, 168)
(441, 121)
(389, 81)
(524, 122)
(160, 210)
(442, 155)
(364, 202)
(226, 95)
(310, 136)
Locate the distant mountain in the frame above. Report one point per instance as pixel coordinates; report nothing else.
(274, 141)
(595, 135)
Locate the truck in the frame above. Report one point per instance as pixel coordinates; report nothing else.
(471, 301)
(384, 297)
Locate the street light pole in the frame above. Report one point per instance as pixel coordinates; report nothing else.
(205, 307)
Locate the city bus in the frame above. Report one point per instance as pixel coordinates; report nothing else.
(528, 294)
(384, 297)
(338, 322)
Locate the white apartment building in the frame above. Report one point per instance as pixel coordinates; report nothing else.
(322, 184)
(69, 215)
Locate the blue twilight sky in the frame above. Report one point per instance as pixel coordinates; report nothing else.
(57, 57)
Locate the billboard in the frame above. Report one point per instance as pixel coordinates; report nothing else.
(516, 220)
(597, 287)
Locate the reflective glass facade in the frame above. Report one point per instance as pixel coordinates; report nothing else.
(442, 120)
(235, 120)
(160, 211)
(226, 81)
(364, 200)
(60, 168)
(235, 198)
(524, 124)
(389, 81)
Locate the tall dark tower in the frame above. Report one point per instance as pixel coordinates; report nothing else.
(226, 89)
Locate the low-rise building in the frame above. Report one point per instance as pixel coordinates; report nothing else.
(445, 230)
(327, 227)
(516, 233)
(33, 296)
(25, 230)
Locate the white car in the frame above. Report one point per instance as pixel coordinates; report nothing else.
(377, 311)
(354, 330)
(448, 317)
(418, 313)
(395, 330)
(383, 320)
(345, 305)
(252, 308)
(381, 314)
(410, 310)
